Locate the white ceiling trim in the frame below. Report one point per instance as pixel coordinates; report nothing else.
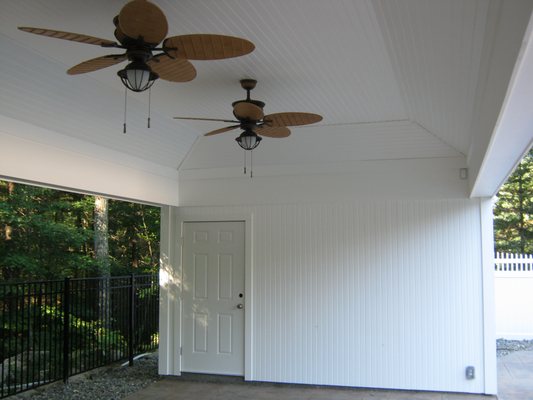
(513, 134)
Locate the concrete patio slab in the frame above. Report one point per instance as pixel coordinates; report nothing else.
(515, 382)
(515, 376)
(180, 389)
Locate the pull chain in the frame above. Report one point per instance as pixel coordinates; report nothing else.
(125, 108)
(251, 165)
(244, 162)
(149, 103)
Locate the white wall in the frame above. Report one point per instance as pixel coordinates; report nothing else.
(383, 293)
(407, 178)
(372, 278)
(514, 304)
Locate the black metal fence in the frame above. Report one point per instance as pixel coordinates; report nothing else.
(51, 330)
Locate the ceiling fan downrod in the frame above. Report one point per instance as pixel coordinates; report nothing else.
(249, 85)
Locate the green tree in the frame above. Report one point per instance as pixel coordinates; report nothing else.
(49, 234)
(513, 210)
(134, 237)
(44, 235)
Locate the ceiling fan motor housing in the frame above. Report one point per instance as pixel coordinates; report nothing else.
(257, 103)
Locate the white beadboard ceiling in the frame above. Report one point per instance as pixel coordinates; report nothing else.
(392, 79)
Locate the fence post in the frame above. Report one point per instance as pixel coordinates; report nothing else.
(66, 330)
(131, 320)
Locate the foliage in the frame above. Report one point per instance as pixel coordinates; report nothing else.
(513, 210)
(133, 237)
(33, 322)
(48, 234)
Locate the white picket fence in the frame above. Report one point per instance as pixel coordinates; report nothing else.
(513, 286)
(513, 262)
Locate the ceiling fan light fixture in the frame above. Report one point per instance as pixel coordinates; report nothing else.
(137, 76)
(248, 140)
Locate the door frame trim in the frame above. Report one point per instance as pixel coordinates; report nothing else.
(248, 284)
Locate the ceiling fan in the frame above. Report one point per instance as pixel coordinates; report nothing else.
(251, 119)
(140, 27)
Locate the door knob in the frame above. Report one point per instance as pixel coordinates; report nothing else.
(240, 306)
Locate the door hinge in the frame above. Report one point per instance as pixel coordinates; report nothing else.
(181, 351)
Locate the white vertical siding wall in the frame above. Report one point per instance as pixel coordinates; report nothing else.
(381, 293)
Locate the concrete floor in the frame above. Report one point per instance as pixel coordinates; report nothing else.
(515, 382)
(181, 389)
(515, 376)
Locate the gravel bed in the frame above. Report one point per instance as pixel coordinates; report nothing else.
(504, 346)
(108, 383)
(116, 382)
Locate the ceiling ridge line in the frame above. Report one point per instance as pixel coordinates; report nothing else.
(437, 137)
(487, 55)
(392, 56)
(187, 155)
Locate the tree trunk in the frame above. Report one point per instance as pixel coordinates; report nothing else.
(134, 255)
(8, 271)
(521, 211)
(8, 230)
(101, 252)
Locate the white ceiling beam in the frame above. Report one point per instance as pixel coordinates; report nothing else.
(492, 161)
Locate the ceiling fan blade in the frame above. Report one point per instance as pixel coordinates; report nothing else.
(207, 46)
(97, 63)
(273, 131)
(206, 119)
(173, 70)
(247, 111)
(222, 130)
(75, 37)
(141, 18)
(291, 119)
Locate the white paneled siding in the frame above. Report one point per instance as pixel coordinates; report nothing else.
(384, 293)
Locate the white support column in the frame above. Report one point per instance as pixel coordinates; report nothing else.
(489, 312)
(169, 303)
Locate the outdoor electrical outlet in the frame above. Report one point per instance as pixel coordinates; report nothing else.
(470, 372)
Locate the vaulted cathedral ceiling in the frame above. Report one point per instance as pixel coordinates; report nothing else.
(392, 79)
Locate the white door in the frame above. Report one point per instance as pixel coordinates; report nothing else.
(213, 298)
